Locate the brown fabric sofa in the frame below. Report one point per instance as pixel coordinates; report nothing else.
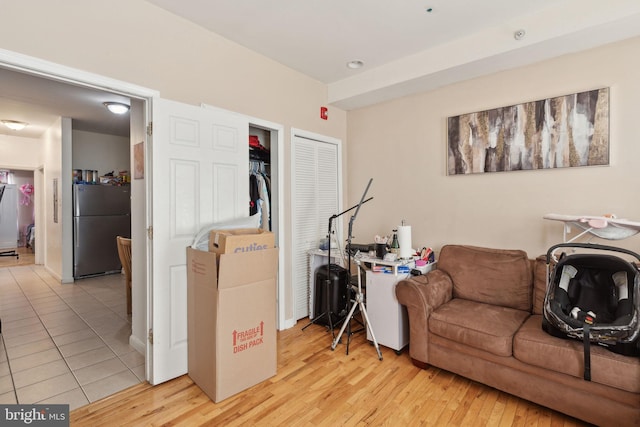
(479, 315)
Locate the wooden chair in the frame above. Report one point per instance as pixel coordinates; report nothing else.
(124, 251)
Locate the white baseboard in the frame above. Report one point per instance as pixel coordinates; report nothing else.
(54, 274)
(138, 345)
(287, 324)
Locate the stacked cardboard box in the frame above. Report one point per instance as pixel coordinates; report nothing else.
(231, 303)
(240, 240)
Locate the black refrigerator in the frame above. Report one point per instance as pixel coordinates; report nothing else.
(100, 213)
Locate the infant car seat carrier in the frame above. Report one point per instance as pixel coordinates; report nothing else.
(593, 298)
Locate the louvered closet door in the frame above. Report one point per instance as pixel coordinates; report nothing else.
(315, 198)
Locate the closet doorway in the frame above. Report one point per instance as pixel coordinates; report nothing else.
(267, 160)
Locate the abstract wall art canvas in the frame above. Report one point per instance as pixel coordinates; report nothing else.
(565, 131)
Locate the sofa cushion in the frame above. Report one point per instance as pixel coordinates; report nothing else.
(534, 346)
(493, 276)
(482, 326)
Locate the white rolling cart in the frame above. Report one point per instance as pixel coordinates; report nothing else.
(389, 318)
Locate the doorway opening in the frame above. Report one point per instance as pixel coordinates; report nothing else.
(17, 217)
(91, 315)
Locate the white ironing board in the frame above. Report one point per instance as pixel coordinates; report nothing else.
(605, 227)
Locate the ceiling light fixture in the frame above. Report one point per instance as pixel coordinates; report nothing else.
(519, 35)
(14, 124)
(354, 65)
(117, 107)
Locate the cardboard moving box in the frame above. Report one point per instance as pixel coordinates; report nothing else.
(240, 240)
(231, 303)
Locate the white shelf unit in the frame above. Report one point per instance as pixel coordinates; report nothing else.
(389, 319)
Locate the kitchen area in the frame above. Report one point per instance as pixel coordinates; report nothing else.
(101, 201)
(100, 207)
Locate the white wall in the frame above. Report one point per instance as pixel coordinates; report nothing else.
(101, 152)
(20, 153)
(52, 233)
(402, 145)
(66, 195)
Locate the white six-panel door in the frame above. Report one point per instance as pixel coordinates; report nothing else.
(200, 176)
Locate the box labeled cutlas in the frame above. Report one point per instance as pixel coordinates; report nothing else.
(240, 240)
(231, 321)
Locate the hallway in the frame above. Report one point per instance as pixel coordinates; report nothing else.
(64, 343)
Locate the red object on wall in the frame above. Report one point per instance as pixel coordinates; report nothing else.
(324, 113)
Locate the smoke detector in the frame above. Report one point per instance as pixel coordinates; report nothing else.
(519, 35)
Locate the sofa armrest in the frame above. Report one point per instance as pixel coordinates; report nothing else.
(421, 295)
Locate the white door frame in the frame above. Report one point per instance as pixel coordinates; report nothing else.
(38, 206)
(338, 224)
(277, 151)
(38, 67)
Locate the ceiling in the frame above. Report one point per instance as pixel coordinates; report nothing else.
(318, 38)
(407, 46)
(40, 102)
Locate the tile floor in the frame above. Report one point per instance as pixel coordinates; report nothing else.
(64, 343)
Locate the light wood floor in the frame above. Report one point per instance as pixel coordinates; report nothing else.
(316, 386)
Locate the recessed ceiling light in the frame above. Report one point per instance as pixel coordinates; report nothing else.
(117, 107)
(14, 124)
(354, 65)
(519, 35)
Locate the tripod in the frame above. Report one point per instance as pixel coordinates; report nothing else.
(359, 297)
(358, 302)
(328, 313)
